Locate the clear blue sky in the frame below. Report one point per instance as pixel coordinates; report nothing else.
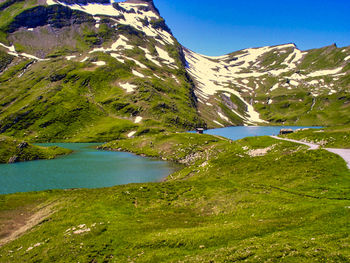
(219, 27)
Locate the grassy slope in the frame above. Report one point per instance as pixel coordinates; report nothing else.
(289, 205)
(10, 147)
(295, 105)
(82, 102)
(333, 137)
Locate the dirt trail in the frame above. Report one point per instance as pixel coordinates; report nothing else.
(21, 227)
(343, 153)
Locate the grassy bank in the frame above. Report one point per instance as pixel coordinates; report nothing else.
(333, 137)
(13, 150)
(257, 199)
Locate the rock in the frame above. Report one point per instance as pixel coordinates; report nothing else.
(286, 131)
(22, 145)
(13, 159)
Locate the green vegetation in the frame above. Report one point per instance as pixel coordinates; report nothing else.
(12, 150)
(334, 137)
(5, 60)
(285, 204)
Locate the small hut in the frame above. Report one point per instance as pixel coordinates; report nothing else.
(200, 130)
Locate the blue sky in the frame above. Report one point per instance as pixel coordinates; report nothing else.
(218, 27)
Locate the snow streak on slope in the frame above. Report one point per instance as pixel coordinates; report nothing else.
(212, 76)
(138, 15)
(244, 72)
(128, 17)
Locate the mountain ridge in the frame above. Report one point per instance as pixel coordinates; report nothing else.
(165, 84)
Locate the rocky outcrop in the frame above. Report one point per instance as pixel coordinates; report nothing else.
(85, 2)
(57, 16)
(13, 159)
(150, 3)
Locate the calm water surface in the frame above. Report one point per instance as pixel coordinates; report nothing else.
(85, 168)
(239, 132)
(90, 168)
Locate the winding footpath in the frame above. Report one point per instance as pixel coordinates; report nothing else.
(343, 153)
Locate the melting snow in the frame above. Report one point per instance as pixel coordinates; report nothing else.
(131, 134)
(164, 55)
(294, 83)
(85, 59)
(121, 43)
(138, 119)
(150, 57)
(325, 72)
(70, 57)
(137, 62)
(138, 74)
(209, 81)
(223, 116)
(128, 87)
(117, 57)
(12, 51)
(134, 19)
(219, 123)
(99, 63)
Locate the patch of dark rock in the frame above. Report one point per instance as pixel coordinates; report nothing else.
(13, 159)
(56, 15)
(23, 145)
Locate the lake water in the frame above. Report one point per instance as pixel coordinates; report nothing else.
(240, 132)
(85, 168)
(90, 168)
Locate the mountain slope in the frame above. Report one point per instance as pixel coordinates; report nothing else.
(100, 71)
(282, 83)
(90, 70)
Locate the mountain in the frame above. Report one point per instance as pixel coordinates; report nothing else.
(277, 84)
(92, 70)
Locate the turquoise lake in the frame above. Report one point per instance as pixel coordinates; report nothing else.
(91, 168)
(85, 168)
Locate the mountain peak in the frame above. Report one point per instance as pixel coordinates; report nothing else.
(149, 3)
(85, 2)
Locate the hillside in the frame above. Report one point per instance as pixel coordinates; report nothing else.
(12, 150)
(95, 71)
(224, 206)
(278, 84)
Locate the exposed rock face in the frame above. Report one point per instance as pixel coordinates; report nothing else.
(13, 159)
(85, 2)
(149, 2)
(23, 145)
(57, 16)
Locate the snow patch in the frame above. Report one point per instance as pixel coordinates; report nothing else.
(294, 83)
(131, 134)
(325, 72)
(99, 63)
(121, 43)
(138, 74)
(85, 59)
(223, 117)
(70, 57)
(165, 55)
(128, 87)
(219, 123)
(138, 119)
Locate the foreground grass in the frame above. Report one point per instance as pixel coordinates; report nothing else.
(333, 137)
(20, 151)
(288, 204)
